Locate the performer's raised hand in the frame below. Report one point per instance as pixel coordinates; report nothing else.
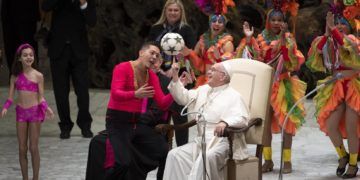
(144, 91)
(186, 78)
(284, 29)
(330, 22)
(247, 31)
(327, 31)
(175, 70)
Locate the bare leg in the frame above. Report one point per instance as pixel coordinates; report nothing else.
(352, 118)
(332, 125)
(267, 131)
(34, 148)
(22, 135)
(267, 138)
(287, 141)
(287, 153)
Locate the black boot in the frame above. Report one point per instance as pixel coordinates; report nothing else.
(351, 172)
(342, 165)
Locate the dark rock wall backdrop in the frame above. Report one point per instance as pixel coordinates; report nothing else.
(123, 25)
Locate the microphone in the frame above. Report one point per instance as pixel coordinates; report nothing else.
(200, 115)
(201, 119)
(337, 76)
(186, 106)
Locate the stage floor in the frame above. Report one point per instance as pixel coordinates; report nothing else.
(313, 155)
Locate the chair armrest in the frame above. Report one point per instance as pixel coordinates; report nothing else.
(163, 128)
(229, 132)
(186, 125)
(252, 122)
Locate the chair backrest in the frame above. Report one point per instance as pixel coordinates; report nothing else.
(253, 79)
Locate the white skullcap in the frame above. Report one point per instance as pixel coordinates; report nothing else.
(227, 68)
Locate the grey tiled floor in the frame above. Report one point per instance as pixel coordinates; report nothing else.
(313, 155)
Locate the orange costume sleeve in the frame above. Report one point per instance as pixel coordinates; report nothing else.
(293, 58)
(349, 52)
(315, 57)
(250, 49)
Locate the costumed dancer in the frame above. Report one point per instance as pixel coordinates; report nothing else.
(277, 47)
(31, 107)
(338, 104)
(215, 45)
(248, 47)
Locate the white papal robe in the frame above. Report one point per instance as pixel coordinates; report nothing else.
(221, 103)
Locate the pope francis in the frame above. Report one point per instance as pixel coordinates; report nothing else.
(221, 106)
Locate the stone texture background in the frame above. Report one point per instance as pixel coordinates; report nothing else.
(123, 26)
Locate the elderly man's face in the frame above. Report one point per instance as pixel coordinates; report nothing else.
(216, 75)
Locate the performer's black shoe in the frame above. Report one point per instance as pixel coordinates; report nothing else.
(342, 166)
(351, 172)
(268, 166)
(287, 168)
(87, 133)
(65, 135)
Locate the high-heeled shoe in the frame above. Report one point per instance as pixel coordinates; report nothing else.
(342, 166)
(287, 168)
(351, 172)
(267, 166)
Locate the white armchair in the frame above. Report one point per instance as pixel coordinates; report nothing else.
(253, 79)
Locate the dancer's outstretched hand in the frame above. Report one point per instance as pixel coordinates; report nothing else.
(246, 29)
(3, 112)
(145, 91)
(50, 113)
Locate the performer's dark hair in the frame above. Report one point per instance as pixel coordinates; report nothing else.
(147, 44)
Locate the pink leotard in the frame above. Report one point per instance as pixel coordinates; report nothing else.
(24, 84)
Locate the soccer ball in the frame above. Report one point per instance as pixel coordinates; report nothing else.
(172, 43)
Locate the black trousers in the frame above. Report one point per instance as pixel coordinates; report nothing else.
(15, 34)
(96, 157)
(138, 149)
(62, 69)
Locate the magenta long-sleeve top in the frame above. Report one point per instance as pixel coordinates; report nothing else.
(122, 95)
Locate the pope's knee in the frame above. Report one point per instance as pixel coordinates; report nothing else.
(211, 157)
